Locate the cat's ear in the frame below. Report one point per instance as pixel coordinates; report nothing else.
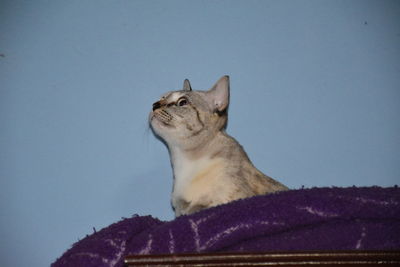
(186, 85)
(218, 95)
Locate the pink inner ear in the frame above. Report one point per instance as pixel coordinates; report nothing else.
(218, 95)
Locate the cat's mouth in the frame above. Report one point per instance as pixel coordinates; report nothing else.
(163, 117)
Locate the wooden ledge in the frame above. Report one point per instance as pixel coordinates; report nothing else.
(325, 258)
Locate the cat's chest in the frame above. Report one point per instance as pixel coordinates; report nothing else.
(194, 178)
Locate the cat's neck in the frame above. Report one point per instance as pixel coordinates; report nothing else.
(201, 150)
(186, 161)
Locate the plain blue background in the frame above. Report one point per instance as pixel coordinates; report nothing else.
(315, 94)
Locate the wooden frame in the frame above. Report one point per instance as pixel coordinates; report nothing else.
(325, 258)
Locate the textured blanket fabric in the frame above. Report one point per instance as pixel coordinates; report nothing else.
(306, 219)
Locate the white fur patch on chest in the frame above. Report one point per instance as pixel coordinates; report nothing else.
(195, 178)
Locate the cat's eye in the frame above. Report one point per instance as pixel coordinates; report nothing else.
(182, 102)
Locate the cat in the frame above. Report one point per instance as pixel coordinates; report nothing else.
(209, 166)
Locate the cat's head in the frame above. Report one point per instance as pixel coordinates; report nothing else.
(188, 118)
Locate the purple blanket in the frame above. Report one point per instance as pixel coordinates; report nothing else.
(306, 219)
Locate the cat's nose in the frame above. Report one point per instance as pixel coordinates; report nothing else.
(156, 105)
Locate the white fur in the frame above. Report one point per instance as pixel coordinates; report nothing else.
(199, 182)
(172, 96)
(185, 170)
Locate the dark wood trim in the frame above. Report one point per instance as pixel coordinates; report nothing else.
(325, 258)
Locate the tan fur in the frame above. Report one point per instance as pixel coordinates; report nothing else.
(205, 182)
(208, 174)
(210, 167)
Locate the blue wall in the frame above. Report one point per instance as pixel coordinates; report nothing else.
(315, 101)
